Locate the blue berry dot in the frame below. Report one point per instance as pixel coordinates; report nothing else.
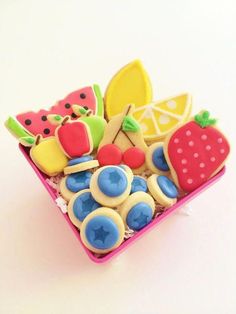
(138, 184)
(79, 160)
(102, 232)
(76, 182)
(159, 160)
(167, 186)
(112, 181)
(83, 205)
(139, 216)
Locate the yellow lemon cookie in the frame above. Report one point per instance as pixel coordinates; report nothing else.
(162, 189)
(130, 85)
(102, 230)
(110, 185)
(157, 119)
(137, 210)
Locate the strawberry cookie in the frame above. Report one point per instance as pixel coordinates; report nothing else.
(195, 152)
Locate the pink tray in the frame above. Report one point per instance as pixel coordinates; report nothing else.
(183, 201)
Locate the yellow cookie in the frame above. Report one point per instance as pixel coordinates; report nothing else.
(110, 185)
(162, 189)
(137, 210)
(155, 159)
(159, 118)
(102, 230)
(130, 85)
(80, 206)
(47, 155)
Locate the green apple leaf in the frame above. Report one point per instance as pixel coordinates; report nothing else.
(130, 124)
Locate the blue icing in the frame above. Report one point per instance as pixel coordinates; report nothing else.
(76, 182)
(167, 186)
(79, 160)
(102, 232)
(139, 216)
(159, 160)
(112, 181)
(83, 205)
(138, 184)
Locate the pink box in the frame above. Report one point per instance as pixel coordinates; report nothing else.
(183, 201)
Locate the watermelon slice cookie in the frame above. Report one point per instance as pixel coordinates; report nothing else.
(37, 123)
(195, 152)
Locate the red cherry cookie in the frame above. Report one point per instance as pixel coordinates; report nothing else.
(196, 151)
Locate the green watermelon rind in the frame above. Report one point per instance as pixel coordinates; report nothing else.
(100, 105)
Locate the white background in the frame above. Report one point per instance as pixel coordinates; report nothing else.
(48, 48)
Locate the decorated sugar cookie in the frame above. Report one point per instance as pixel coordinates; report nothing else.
(74, 183)
(138, 184)
(37, 123)
(137, 210)
(74, 137)
(95, 123)
(109, 154)
(162, 189)
(130, 85)
(80, 205)
(159, 118)
(124, 132)
(110, 185)
(80, 164)
(15, 128)
(102, 230)
(155, 159)
(46, 154)
(195, 152)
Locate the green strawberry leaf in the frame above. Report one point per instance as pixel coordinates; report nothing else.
(130, 124)
(203, 120)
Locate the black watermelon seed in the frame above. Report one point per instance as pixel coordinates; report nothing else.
(67, 106)
(44, 118)
(82, 95)
(28, 122)
(46, 131)
(73, 115)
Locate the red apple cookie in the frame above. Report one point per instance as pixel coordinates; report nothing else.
(195, 152)
(74, 137)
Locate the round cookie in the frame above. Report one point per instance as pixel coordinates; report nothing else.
(80, 164)
(110, 185)
(109, 154)
(155, 159)
(137, 210)
(66, 194)
(162, 189)
(138, 184)
(81, 205)
(102, 230)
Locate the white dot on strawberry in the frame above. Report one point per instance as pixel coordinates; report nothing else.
(212, 159)
(188, 133)
(208, 147)
(176, 140)
(183, 161)
(202, 175)
(204, 137)
(191, 143)
(202, 165)
(185, 170)
(179, 150)
(220, 140)
(195, 155)
(190, 181)
(222, 151)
